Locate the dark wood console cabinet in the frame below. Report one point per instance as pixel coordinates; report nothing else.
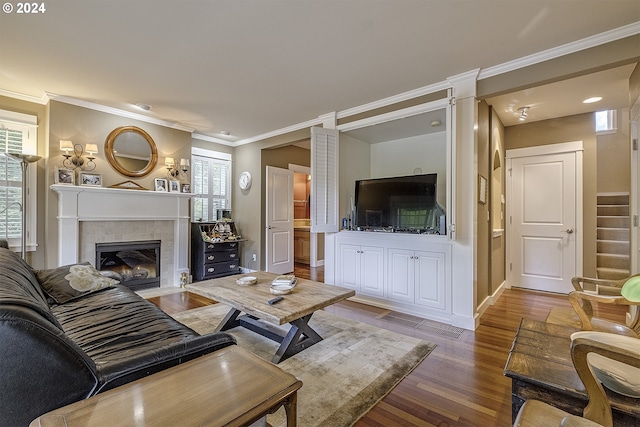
(215, 258)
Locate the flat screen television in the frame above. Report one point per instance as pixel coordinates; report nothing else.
(405, 203)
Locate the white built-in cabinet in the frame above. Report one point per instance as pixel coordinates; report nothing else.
(362, 268)
(416, 277)
(406, 272)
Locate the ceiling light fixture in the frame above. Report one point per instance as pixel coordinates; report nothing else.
(145, 107)
(225, 132)
(523, 113)
(592, 100)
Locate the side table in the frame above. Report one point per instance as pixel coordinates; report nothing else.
(540, 368)
(230, 387)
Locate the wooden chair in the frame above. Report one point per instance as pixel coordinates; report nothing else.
(581, 315)
(598, 411)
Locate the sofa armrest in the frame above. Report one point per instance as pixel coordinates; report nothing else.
(122, 371)
(40, 368)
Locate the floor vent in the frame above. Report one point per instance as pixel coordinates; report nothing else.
(440, 329)
(431, 326)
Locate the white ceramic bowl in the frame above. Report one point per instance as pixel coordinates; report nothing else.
(247, 280)
(281, 289)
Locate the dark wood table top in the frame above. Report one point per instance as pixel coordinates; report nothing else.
(541, 356)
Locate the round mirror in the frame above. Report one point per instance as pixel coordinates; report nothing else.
(131, 151)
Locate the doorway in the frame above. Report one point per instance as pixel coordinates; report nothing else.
(544, 212)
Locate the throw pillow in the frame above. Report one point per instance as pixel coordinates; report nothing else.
(71, 281)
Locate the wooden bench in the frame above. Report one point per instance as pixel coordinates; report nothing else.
(540, 368)
(230, 387)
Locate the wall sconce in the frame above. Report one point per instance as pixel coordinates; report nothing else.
(75, 160)
(174, 172)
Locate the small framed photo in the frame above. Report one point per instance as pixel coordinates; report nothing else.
(91, 179)
(160, 184)
(186, 188)
(65, 176)
(482, 189)
(175, 186)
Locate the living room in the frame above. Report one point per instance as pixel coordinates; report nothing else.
(476, 266)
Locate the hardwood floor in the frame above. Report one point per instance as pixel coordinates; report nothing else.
(461, 383)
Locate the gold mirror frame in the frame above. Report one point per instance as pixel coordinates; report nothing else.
(111, 158)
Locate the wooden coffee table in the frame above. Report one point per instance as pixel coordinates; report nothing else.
(229, 387)
(296, 308)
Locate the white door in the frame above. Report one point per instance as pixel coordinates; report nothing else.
(544, 219)
(279, 215)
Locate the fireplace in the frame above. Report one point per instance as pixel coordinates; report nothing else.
(135, 264)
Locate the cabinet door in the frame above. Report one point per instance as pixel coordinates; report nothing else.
(372, 270)
(349, 267)
(430, 279)
(401, 275)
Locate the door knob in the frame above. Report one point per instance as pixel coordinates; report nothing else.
(569, 231)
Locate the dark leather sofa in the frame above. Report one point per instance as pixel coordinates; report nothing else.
(55, 352)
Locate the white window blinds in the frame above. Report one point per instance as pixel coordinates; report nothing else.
(17, 135)
(211, 186)
(324, 182)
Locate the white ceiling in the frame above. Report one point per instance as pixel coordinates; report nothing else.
(255, 66)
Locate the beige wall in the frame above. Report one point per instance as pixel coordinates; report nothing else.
(483, 225)
(614, 167)
(498, 190)
(580, 127)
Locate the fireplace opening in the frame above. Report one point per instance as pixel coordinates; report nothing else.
(135, 264)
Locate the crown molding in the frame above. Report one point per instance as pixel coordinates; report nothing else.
(283, 131)
(212, 139)
(118, 112)
(562, 50)
(43, 100)
(415, 93)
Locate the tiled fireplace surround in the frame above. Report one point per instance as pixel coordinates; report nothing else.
(90, 215)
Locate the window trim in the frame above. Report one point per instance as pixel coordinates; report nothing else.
(612, 119)
(28, 124)
(221, 157)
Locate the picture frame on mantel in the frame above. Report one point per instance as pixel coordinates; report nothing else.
(90, 179)
(65, 176)
(174, 186)
(161, 184)
(129, 185)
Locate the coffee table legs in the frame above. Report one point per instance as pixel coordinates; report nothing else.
(299, 336)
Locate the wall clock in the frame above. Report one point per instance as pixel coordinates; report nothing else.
(244, 181)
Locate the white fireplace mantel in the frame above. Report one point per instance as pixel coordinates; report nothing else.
(84, 203)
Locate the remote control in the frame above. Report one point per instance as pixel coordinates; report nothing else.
(275, 300)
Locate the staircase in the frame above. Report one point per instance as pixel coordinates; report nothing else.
(613, 236)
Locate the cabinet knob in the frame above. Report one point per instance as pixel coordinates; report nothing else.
(232, 255)
(232, 266)
(211, 257)
(211, 269)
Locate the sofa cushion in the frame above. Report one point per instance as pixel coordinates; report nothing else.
(65, 283)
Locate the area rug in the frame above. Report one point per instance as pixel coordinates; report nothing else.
(343, 376)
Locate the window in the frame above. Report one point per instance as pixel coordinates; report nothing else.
(211, 184)
(606, 121)
(17, 135)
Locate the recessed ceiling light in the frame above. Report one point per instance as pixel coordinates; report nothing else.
(592, 100)
(523, 113)
(145, 107)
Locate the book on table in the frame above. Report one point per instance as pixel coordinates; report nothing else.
(285, 279)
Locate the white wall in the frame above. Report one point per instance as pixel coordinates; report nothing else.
(402, 156)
